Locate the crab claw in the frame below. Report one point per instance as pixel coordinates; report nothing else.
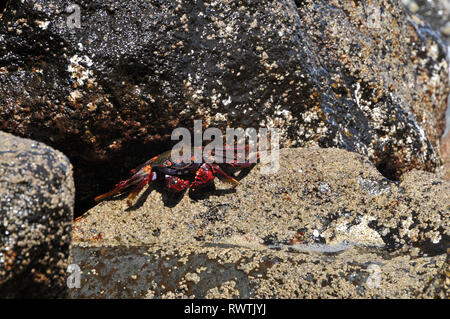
(176, 184)
(207, 172)
(141, 178)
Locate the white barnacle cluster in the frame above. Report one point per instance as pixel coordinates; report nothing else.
(42, 24)
(360, 233)
(79, 69)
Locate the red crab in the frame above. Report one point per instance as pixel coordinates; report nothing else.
(162, 167)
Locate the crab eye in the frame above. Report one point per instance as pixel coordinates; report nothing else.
(167, 163)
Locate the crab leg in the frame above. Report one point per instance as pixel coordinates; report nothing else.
(141, 177)
(248, 160)
(206, 174)
(137, 189)
(224, 176)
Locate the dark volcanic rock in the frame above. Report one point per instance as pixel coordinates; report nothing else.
(436, 13)
(364, 76)
(36, 212)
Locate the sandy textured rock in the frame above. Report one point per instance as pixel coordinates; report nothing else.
(360, 75)
(220, 271)
(328, 225)
(36, 213)
(318, 196)
(439, 286)
(445, 151)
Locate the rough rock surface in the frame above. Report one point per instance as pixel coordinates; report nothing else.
(327, 195)
(36, 213)
(329, 212)
(445, 151)
(363, 76)
(221, 271)
(437, 13)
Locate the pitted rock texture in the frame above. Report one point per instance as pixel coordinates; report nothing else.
(363, 76)
(221, 271)
(36, 212)
(445, 150)
(436, 13)
(328, 196)
(326, 225)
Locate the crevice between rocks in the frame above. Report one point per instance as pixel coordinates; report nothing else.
(3, 6)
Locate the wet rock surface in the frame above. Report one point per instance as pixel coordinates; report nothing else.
(36, 213)
(362, 76)
(313, 229)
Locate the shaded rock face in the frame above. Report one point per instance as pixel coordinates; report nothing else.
(363, 76)
(328, 224)
(36, 213)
